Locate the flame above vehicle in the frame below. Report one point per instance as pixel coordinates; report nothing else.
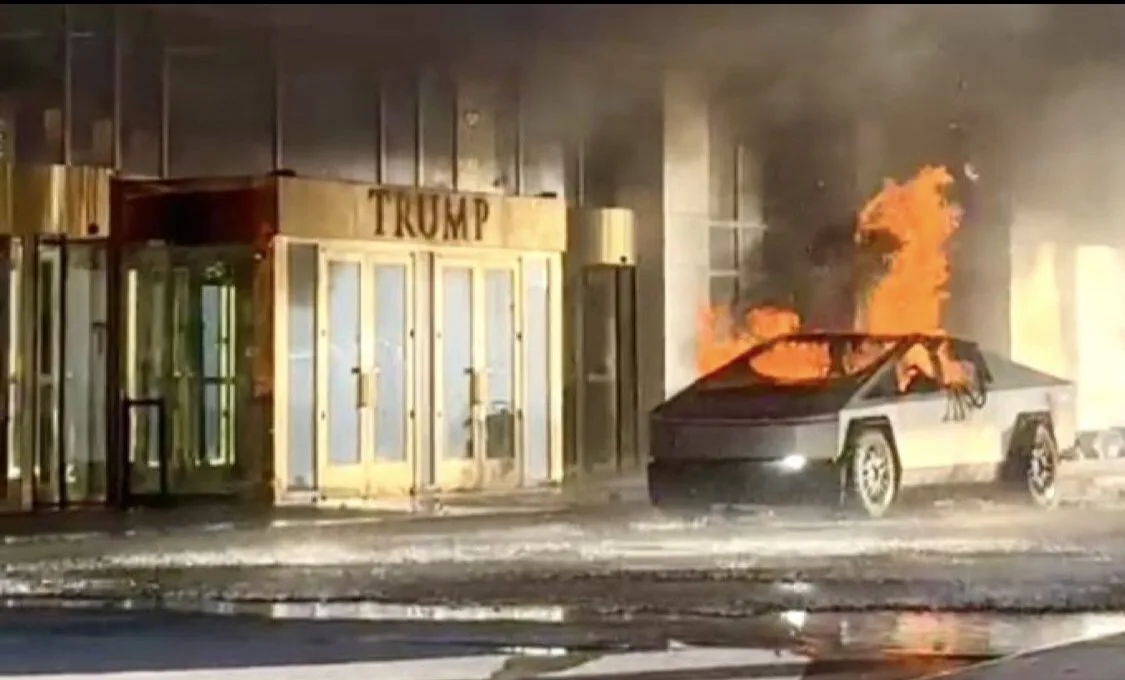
(908, 298)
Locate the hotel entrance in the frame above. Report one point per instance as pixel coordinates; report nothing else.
(53, 335)
(477, 367)
(326, 342)
(365, 372)
(53, 297)
(186, 380)
(418, 342)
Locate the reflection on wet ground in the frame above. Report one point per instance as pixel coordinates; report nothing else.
(889, 637)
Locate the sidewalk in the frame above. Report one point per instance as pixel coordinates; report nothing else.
(1099, 659)
(80, 524)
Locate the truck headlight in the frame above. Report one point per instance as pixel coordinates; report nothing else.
(793, 463)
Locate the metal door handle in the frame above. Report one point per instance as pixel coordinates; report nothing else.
(476, 387)
(362, 389)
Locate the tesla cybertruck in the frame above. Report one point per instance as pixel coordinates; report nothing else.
(855, 419)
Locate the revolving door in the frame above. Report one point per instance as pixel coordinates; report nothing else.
(187, 347)
(53, 303)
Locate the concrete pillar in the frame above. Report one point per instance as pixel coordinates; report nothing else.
(664, 180)
(686, 173)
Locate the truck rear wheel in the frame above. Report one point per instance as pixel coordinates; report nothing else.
(1036, 464)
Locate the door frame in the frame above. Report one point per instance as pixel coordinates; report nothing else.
(369, 476)
(352, 477)
(477, 471)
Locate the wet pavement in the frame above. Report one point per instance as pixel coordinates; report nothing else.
(71, 639)
(973, 556)
(628, 593)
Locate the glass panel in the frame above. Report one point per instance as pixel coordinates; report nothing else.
(330, 113)
(92, 83)
(499, 310)
(183, 396)
(599, 365)
(188, 341)
(457, 362)
(390, 362)
(146, 291)
(217, 331)
(627, 397)
(537, 401)
(438, 110)
(47, 359)
(84, 347)
(302, 261)
(722, 243)
(11, 301)
(400, 130)
(343, 362)
(723, 289)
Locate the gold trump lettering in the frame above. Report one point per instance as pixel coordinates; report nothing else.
(430, 217)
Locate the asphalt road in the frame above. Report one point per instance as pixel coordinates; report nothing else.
(967, 556)
(622, 594)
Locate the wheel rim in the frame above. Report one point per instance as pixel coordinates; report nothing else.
(1041, 467)
(875, 472)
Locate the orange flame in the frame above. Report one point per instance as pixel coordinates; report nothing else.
(720, 339)
(911, 295)
(908, 298)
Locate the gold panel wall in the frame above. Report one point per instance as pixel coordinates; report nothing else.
(324, 209)
(54, 199)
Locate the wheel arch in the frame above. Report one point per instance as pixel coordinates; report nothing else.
(857, 425)
(1024, 420)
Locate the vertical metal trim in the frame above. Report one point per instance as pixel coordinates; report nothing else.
(419, 131)
(6, 342)
(29, 367)
(380, 129)
(66, 118)
(455, 130)
(277, 71)
(116, 159)
(165, 106)
(580, 168)
(116, 431)
(519, 141)
(60, 368)
(739, 175)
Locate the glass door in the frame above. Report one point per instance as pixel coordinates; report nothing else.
(83, 418)
(49, 466)
(187, 377)
(477, 363)
(457, 389)
(343, 376)
(391, 331)
(499, 417)
(366, 356)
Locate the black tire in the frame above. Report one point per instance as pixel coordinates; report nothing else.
(872, 472)
(1036, 465)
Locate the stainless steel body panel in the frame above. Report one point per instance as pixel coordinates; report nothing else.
(942, 436)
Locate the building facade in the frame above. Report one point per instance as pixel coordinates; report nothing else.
(244, 262)
(249, 258)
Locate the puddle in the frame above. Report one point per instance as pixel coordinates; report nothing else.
(818, 634)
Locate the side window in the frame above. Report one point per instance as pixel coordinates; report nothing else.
(915, 373)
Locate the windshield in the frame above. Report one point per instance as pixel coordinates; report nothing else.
(801, 360)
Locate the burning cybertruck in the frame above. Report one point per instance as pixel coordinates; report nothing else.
(855, 419)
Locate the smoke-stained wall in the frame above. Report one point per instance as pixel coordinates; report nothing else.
(177, 92)
(1068, 239)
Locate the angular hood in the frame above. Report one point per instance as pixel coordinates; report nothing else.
(759, 402)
